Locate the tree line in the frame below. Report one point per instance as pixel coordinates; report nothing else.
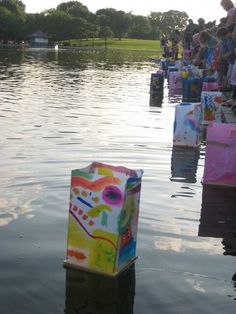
(73, 20)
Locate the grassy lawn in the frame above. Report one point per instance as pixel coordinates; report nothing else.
(124, 44)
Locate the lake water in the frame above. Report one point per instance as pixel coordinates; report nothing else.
(62, 110)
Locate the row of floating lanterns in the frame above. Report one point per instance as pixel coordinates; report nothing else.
(105, 199)
(200, 110)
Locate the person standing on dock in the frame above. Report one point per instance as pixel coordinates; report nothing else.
(163, 43)
(227, 56)
(201, 24)
(188, 34)
(175, 44)
(229, 7)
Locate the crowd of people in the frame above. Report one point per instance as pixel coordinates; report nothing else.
(210, 47)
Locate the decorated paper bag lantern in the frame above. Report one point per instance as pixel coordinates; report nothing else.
(187, 125)
(175, 80)
(174, 95)
(220, 159)
(164, 65)
(103, 218)
(210, 86)
(211, 105)
(157, 82)
(171, 68)
(191, 89)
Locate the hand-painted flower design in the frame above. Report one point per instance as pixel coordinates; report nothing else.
(112, 195)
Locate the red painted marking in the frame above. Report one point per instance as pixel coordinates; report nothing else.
(77, 254)
(91, 223)
(85, 217)
(126, 237)
(75, 208)
(80, 212)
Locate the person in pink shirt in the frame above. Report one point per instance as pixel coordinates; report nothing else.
(229, 7)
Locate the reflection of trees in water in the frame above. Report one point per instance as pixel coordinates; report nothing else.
(9, 57)
(71, 58)
(62, 64)
(101, 59)
(11, 61)
(99, 294)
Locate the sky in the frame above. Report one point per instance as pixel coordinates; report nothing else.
(210, 10)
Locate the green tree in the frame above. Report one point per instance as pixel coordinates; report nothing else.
(175, 20)
(106, 32)
(56, 23)
(118, 21)
(5, 17)
(105, 17)
(76, 9)
(14, 6)
(12, 20)
(79, 29)
(168, 21)
(82, 20)
(155, 19)
(93, 31)
(121, 24)
(34, 22)
(141, 27)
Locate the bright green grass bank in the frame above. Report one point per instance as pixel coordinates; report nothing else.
(124, 44)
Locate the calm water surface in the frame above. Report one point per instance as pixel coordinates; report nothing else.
(62, 110)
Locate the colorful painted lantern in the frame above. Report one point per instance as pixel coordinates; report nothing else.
(210, 86)
(211, 106)
(191, 89)
(175, 80)
(187, 125)
(157, 82)
(103, 218)
(220, 159)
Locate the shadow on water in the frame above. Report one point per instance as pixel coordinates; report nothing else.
(88, 293)
(184, 164)
(218, 218)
